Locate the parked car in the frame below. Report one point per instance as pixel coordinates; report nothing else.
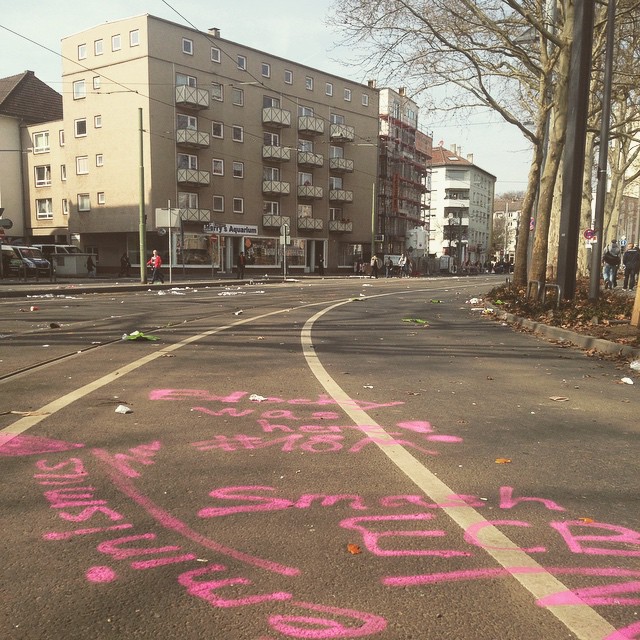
(17, 260)
(48, 249)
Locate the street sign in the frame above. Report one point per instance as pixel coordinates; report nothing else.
(5, 223)
(589, 234)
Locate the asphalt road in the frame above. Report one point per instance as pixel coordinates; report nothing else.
(322, 459)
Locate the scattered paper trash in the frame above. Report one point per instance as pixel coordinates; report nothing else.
(635, 365)
(122, 408)
(254, 397)
(237, 313)
(559, 398)
(367, 386)
(416, 321)
(34, 308)
(138, 335)
(474, 301)
(626, 380)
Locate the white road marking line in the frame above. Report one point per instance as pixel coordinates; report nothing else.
(581, 620)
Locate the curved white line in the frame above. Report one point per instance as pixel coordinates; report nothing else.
(581, 619)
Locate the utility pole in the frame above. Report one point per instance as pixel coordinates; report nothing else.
(142, 216)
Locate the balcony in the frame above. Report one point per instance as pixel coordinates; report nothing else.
(456, 203)
(309, 192)
(276, 154)
(269, 220)
(310, 125)
(342, 133)
(340, 226)
(191, 138)
(310, 159)
(191, 97)
(276, 117)
(310, 224)
(194, 178)
(341, 165)
(276, 188)
(340, 195)
(195, 215)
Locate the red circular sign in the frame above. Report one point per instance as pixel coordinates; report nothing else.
(589, 234)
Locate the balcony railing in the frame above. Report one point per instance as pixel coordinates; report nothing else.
(311, 125)
(192, 97)
(341, 165)
(195, 215)
(310, 192)
(342, 133)
(310, 159)
(275, 187)
(193, 177)
(277, 154)
(276, 117)
(192, 138)
(340, 195)
(310, 224)
(270, 220)
(341, 226)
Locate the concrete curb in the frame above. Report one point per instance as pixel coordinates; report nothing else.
(577, 339)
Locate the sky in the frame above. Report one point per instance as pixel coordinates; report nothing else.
(31, 31)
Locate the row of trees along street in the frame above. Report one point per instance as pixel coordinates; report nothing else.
(513, 57)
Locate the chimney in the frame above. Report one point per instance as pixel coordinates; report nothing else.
(402, 91)
(214, 32)
(454, 148)
(371, 84)
(470, 157)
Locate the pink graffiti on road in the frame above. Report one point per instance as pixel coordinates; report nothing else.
(14, 446)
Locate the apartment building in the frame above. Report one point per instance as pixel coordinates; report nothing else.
(404, 168)
(461, 207)
(239, 141)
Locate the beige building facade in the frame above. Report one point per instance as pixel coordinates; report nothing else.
(240, 142)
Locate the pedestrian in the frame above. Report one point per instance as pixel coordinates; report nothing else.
(374, 267)
(125, 265)
(631, 262)
(388, 267)
(155, 262)
(240, 263)
(402, 261)
(91, 267)
(611, 264)
(321, 265)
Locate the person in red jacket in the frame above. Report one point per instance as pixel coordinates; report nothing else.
(155, 262)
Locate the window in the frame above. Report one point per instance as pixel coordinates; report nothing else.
(336, 152)
(265, 69)
(218, 203)
(271, 174)
(43, 176)
(237, 133)
(63, 172)
(335, 182)
(134, 38)
(238, 97)
(187, 46)
(217, 167)
(96, 82)
(215, 54)
(80, 127)
(305, 211)
(270, 102)
(308, 83)
(288, 76)
(347, 95)
(184, 121)
(44, 209)
(365, 100)
(305, 111)
(271, 139)
(116, 42)
(183, 80)
(79, 89)
(238, 169)
(187, 161)
(97, 122)
(238, 205)
(328, 89)
(84, 202)
(98, 47)
(187, 200)
(65, 207)
(99, 160)
(305, 179)
(82, 51)
(271, 208)
(41, 142)
(305, 146)
(242, 62)
(335, 213)
(217, 129)
(82, 165)
(101, 198)
(217, 91)
(336, 118)
(61, 137)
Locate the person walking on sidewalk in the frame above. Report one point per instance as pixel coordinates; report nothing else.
(155, 262)
(241, 263)
(611, 264)
(91, 267)
(631, 262)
